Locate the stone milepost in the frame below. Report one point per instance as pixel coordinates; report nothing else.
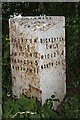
(37, 51)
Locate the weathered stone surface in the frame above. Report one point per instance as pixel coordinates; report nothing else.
(37, 49)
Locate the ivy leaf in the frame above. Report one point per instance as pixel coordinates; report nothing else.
(46, 114)
(66, 107)
(8, 113)
(23, 102)
(16, 108)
